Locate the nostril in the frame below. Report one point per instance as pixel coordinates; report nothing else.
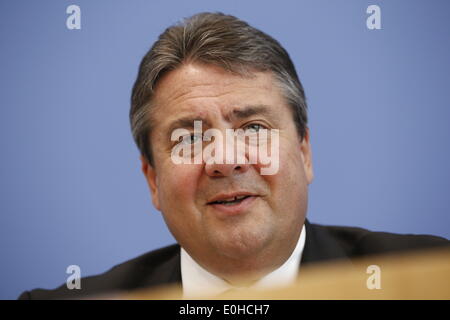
(238, 168)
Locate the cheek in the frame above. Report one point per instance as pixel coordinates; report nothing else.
(177, 195)
(290, 180)
(290, 153)
(177, 186)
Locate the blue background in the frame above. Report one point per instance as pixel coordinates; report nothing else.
(71, 189)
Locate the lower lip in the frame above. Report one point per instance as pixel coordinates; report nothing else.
(234, 209)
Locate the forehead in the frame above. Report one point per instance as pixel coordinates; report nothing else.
(207, 90)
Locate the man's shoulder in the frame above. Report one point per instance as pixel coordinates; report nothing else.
(358, 242)
(158, 267)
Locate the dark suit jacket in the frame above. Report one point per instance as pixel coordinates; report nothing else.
(162, 266)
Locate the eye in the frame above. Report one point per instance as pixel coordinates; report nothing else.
(190, 139)
(254, 127)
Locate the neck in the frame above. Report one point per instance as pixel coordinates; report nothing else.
(244, 270)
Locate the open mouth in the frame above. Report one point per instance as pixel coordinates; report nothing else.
(231, 201)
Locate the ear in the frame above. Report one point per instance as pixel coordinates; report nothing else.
(306, 151)
(150, 175)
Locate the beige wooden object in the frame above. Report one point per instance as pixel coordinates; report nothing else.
(418, 275)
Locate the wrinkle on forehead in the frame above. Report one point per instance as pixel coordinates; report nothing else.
(214, 82)
(209, 92)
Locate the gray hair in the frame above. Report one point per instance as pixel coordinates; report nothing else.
(221, 40)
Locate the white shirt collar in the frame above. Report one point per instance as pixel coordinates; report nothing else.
(197, 281)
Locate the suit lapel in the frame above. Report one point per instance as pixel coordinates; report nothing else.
(321, 246)
(164, 272)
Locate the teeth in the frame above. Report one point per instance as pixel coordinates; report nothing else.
(231, 200)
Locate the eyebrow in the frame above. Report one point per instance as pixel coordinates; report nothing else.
(238, 114)
(251, 110)
(186, 123)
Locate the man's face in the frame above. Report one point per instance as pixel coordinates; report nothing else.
(259, 232)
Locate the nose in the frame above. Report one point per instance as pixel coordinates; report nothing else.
(225, 169)
(229, 158)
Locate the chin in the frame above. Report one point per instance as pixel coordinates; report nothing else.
(242, 245)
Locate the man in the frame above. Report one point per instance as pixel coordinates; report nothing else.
(235, 226)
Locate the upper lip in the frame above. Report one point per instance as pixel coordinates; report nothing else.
(230, 196)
